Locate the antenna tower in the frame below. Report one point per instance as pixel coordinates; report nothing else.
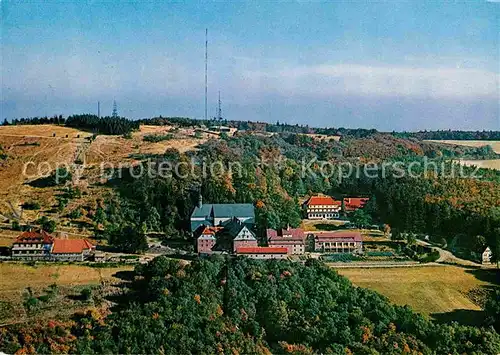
(206, 69)
(219, 110)
(115, 110)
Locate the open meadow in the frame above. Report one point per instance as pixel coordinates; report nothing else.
(16, 278)
(442, 292)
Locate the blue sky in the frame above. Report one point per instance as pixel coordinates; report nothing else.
(391, 65)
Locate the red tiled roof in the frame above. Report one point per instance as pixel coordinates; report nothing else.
(322, 200)
(338, 236)
(261, 250)
(71, 246)
(296, 234)
(211, 230)
(35, 237)
(353, 203)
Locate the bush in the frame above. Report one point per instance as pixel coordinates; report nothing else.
(31, 303)
(75, 214)
(33, 205)
(16, 226)
(86, 294)
(47, 224)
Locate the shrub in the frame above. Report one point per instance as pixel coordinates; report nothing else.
(33, 205)
(86, 294)
(16, 226)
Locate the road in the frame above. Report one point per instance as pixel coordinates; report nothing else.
(446, 256)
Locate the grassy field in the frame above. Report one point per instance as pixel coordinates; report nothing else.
(443, 292)
(494, 144)
(487, 164)
(15, 278)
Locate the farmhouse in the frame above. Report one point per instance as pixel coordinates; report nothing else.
(322, 207)
(291, 238)
(216, 214)
(263, 252)
(39, 245)
(351, 204)
(338, 242)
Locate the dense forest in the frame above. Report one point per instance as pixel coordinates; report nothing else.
(243, 306)
(452, 135)
(35, 120)
(102, 125)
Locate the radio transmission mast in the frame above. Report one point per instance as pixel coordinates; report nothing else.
(219, 110)
(206, 69)
(115, 110)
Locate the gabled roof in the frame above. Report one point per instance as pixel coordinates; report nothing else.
(261, 250)
(224, 210)
(35, 237)
(322, 200)
(71, 246)
(233, 227)
(353, 203)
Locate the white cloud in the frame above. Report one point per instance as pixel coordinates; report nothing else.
(323, 80)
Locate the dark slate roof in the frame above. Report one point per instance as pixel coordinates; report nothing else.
(204, 211)
(233, 227)
(225, 210)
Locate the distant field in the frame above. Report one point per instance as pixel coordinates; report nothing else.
(487, 164)
(494, 144)
(428, 290)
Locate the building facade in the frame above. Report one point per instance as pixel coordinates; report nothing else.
(33, 245)
(322, 207)
(263, 252)
(244, 238)
(338, 242)
(72, 249)
(291, 238)
(206, 241)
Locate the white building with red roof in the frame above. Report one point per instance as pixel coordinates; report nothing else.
(33, 245)
(72, 249)
(263, 252)
(342, 241)
(37, 245)
(291, 238)
(322, 207)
